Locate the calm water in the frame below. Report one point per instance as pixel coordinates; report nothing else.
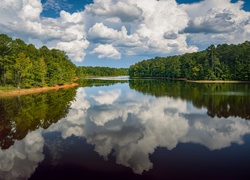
(137, 129)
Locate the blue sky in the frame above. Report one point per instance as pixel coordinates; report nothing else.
(119, 33)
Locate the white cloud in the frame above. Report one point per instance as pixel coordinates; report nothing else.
(148, 32)
(74, 49)
(106, 51)
(119, 28)
(30, 10)
(66, 32)
(123, 10)
(102, 33)
(214, 22)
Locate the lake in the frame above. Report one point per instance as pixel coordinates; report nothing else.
(128, 129)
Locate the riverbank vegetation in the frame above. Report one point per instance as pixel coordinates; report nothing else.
(23, 65)
(89, 71)
(222, 62)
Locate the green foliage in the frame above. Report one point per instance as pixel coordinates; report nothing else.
(224, 62)
(88, 71)
(24, 66)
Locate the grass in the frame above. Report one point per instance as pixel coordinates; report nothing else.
(7, 88)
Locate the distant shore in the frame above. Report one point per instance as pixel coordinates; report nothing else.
(19, 92)
(195, 81)
(217, 81)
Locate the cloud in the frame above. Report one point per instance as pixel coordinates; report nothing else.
(119, 28)
(57, 5)
(102, 34)
(74, 48)
(125, 11)
(213, 22)
(66, 32)
(106, 51)
(148, 30)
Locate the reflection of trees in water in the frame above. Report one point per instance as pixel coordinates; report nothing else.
(98, 82)
(221, 100)
(23, 114)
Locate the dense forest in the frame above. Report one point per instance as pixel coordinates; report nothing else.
(88, 71)
(221, 62)
(22, 65)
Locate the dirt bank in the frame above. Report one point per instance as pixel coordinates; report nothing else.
(19, 92)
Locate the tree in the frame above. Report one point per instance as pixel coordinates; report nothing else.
(23, 66)
(5, 50)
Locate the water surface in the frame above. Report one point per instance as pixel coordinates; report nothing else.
(143, 129)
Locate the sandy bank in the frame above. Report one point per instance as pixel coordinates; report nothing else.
(19, 92)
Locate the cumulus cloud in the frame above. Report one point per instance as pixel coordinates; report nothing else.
(74, 48)
(101, 33)
(125, 11)
(106, 51)
(23, 20)
(219, 22)
(116, 29)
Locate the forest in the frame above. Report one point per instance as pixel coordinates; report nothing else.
(23, 65)
(89, 71)
(221, 62)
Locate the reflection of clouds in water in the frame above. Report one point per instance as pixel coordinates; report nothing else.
(216, 133)
(21, 159)
(133, 128)
(73, 124)
(107, 97)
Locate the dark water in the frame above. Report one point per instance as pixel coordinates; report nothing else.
(137, 129)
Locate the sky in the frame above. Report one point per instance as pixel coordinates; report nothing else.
(119, 33)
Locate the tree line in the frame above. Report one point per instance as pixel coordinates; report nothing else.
(23, 65)
(88, 71)
(221, 62)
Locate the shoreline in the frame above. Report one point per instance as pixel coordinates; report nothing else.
(217, 81)
(20, 92)
(194, 81)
